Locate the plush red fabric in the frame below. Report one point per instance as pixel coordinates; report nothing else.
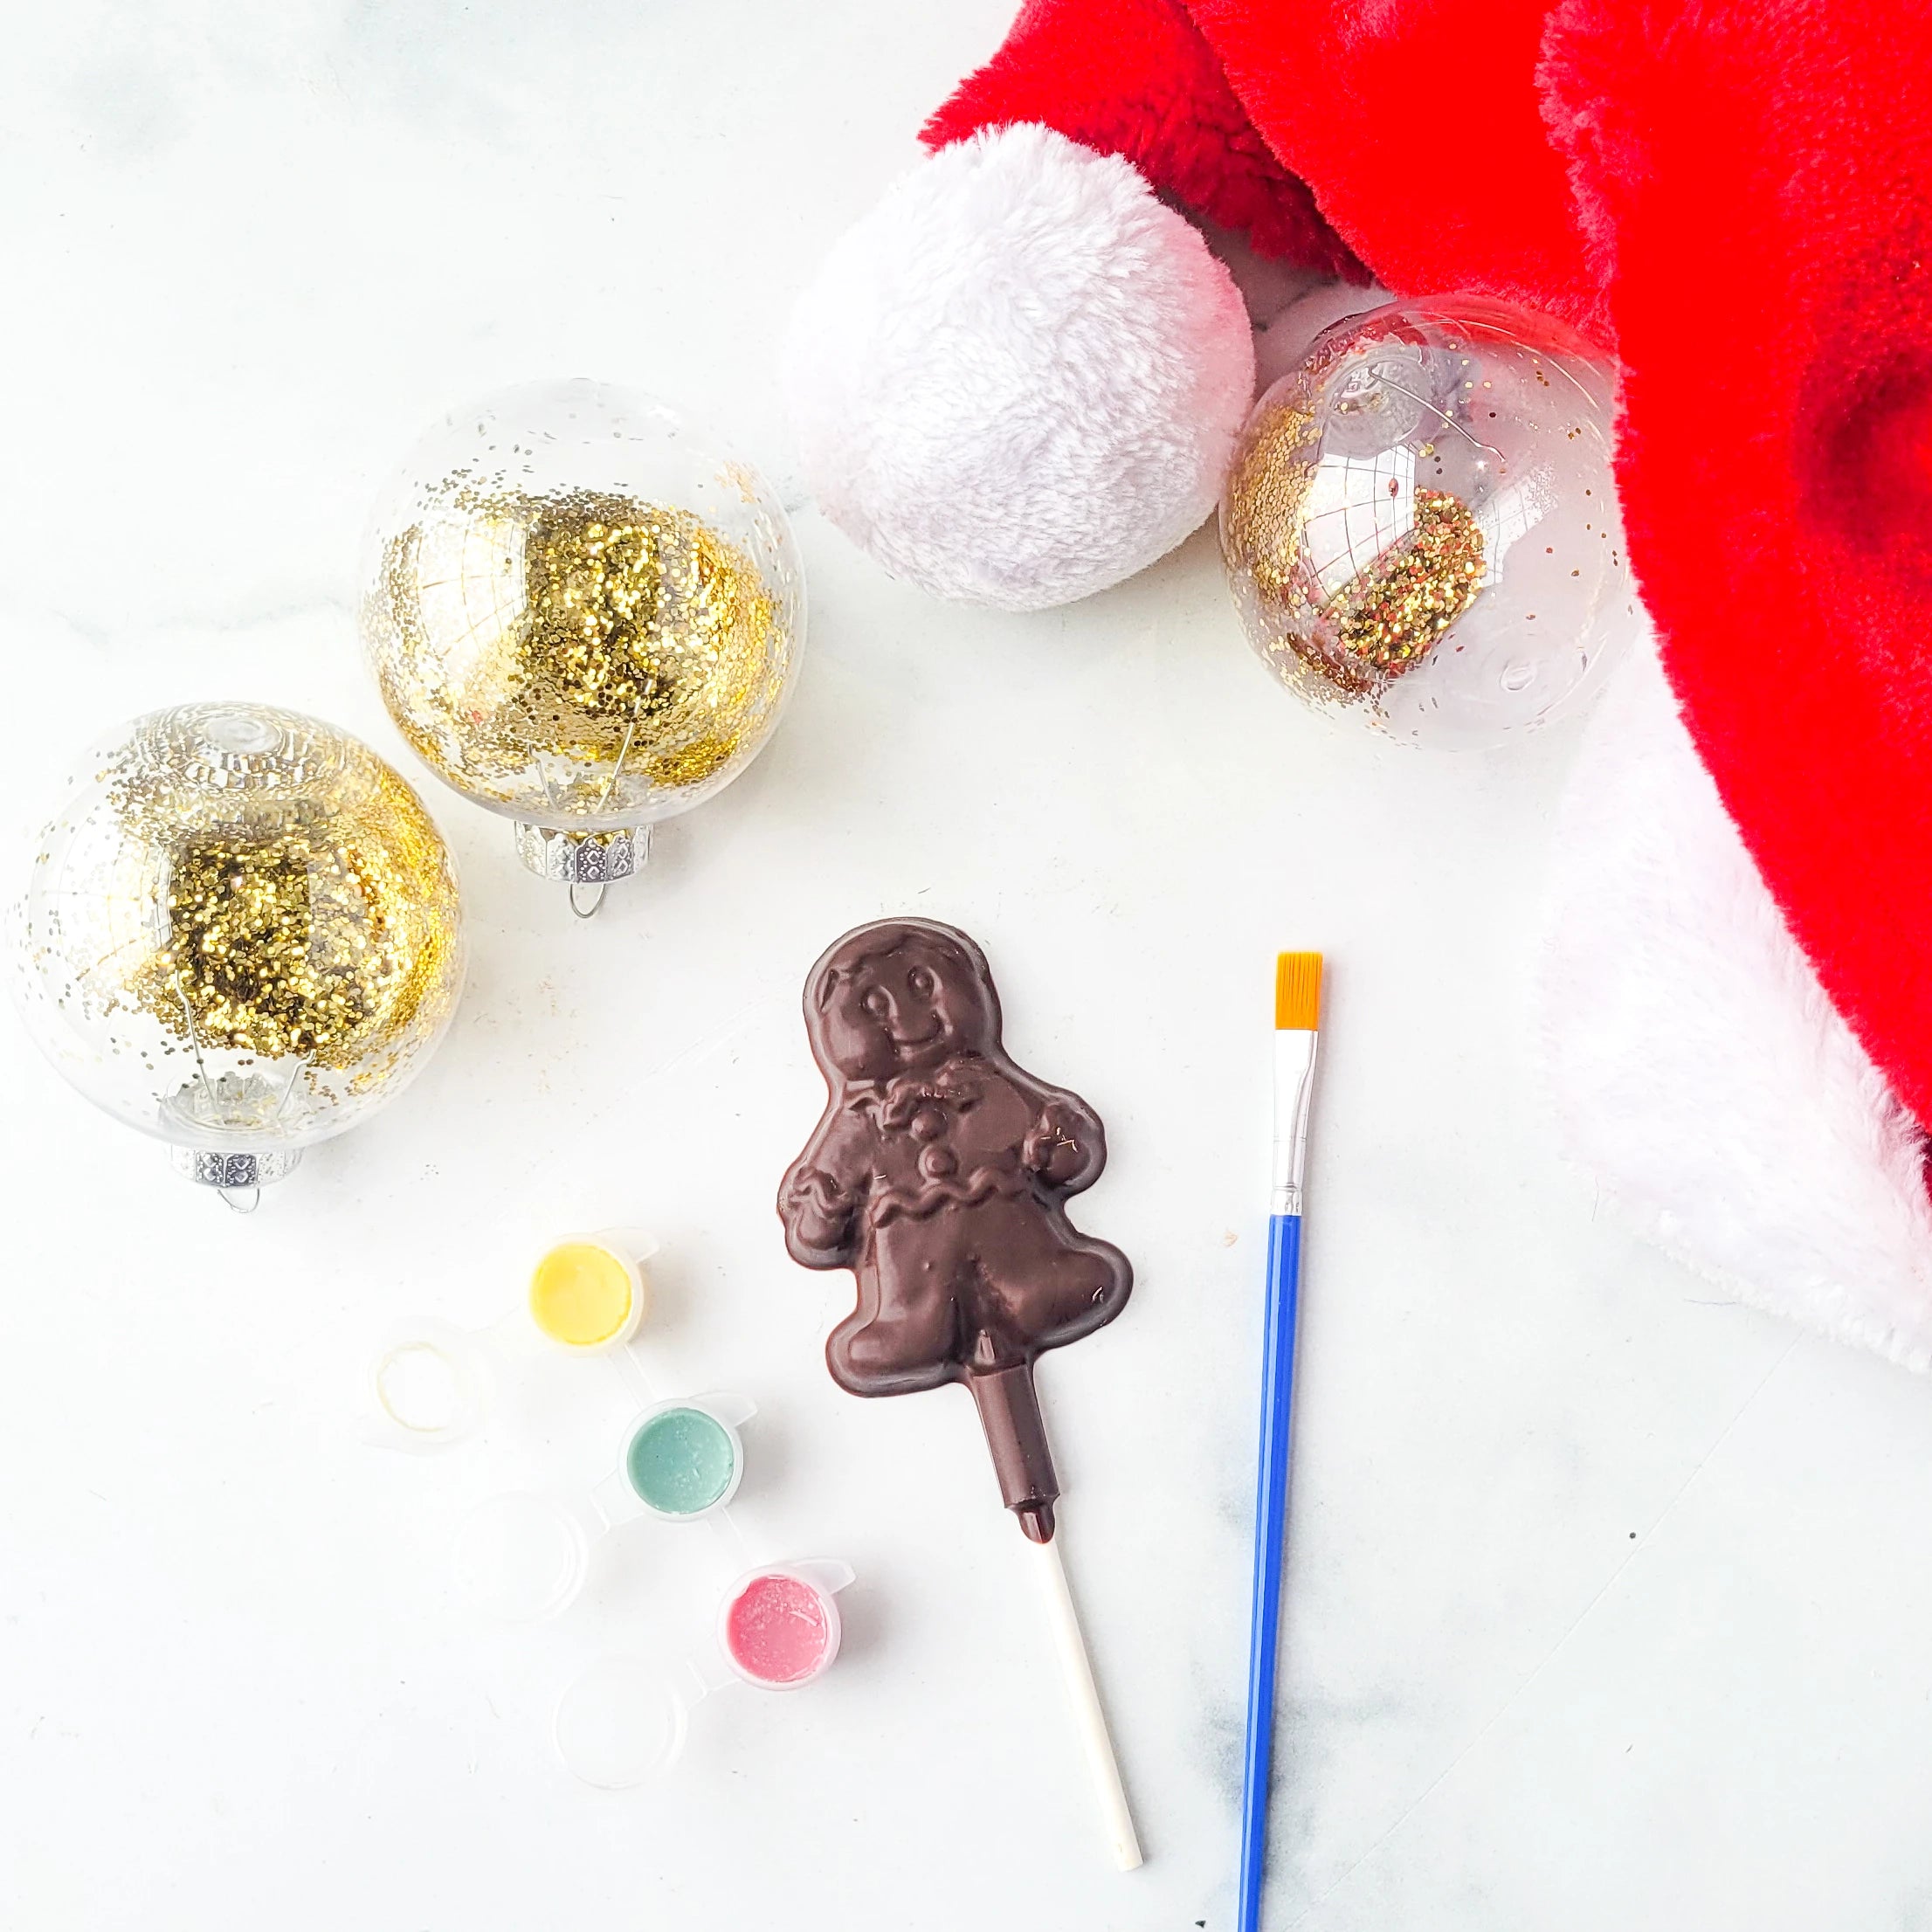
(1419, 126)
(1135, 77)
(1759, 179)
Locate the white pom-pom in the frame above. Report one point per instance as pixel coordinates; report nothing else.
(1020, 378)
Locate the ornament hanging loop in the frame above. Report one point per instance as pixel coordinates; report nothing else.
(591, 909)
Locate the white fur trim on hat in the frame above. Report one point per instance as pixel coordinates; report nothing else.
(1020, 377)
(1698, 1068)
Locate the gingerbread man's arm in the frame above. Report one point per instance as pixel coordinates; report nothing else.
(1067, 1146)
(821, 1196)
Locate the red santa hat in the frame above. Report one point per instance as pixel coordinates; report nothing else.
(1022, 377)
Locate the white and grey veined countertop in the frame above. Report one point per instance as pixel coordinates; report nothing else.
(1609, 1604)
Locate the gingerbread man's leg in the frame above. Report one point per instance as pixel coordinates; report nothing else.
(902, 1337)
(1041, 1281)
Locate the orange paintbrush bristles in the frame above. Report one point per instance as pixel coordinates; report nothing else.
(1297, 991)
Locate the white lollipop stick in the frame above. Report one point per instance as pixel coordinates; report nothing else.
(1078, 1675)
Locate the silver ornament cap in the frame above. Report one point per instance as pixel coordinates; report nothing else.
(216, 1167)
(583, 858)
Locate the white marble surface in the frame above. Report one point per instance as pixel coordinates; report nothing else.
(1609, 1603)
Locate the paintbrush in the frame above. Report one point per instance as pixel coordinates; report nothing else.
(1297, 1012)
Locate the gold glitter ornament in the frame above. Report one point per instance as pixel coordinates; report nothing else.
(580, 617)
(240, 935)
(1420, 523)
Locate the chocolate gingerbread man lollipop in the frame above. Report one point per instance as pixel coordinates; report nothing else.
(939, 1175)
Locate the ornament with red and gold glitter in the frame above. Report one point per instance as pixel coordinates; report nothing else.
(1420, 525)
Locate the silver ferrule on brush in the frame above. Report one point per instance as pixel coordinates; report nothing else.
(1294, 1086)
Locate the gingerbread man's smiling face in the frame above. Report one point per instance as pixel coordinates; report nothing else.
(906, 1008)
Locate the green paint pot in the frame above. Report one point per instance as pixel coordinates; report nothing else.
(684, 1461)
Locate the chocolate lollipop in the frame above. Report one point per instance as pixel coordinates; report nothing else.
(939, 1175)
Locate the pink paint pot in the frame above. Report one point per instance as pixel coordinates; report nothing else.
(778, 1627)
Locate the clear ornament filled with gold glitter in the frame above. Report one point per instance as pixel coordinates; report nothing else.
(1420, 525)
(240, 935)
(583, 616)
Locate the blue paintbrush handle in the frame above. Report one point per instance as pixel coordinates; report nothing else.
(1271, 1525)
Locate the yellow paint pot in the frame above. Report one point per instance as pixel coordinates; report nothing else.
(587, 1294)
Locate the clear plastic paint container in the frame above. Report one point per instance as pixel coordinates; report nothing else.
(521, 1557)
(624, 1722)
(432, 1385)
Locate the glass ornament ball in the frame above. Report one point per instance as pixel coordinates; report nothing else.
(1420, 525)
(584, 615)
(240, 934)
